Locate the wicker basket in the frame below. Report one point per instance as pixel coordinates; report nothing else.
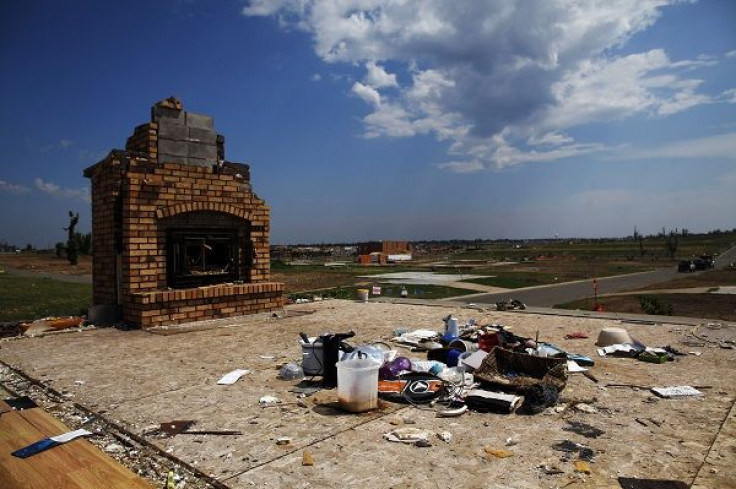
(528, 370)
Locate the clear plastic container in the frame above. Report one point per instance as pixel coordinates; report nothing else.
(291, 371)
(357, 384)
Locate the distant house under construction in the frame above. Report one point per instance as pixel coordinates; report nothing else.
(381, 252)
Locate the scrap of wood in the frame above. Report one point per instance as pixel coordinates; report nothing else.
(590, 376)
(79, 464)
(647, 387)
(632, 386)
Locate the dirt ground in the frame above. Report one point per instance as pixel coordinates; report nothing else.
(313, 280)
(714, 306)
(712, 278)
(141, 379)
(49, 263)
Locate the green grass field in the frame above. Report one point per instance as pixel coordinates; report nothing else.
(552, 273)
(613, 249)
(28, 298)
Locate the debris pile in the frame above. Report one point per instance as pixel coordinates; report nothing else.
(484, 368)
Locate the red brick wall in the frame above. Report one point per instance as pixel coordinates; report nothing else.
(105, 231)
(214, 301)
(154, 198)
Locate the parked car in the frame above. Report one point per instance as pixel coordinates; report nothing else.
(705, 262)
(710, 261)
(685, 266)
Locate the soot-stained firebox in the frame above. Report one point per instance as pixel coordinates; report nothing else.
(177, 232)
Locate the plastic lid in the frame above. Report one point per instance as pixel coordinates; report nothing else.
(358, 364)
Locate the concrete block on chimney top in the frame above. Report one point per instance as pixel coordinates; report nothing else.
(201, 150)
(199, 121)
(177, 148)
(169, 130)
(167, 158)
(173, 116)
(198, 135)
(199, 162)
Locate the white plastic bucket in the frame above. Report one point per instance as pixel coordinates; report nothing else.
(313, 357)
(452, 328)
(357, 384)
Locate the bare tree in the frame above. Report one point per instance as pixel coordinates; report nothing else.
(638, 237)
(671, 241)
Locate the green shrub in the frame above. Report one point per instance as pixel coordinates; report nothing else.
(653, 307)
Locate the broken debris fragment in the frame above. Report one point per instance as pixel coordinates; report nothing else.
(50, 442)
(407, 435)
(452, 413)
(266, 401)
(445, 436)
(677, 391)
(583, 429)
(307, 459)
(497, 402)
(232, 377)
(492, 452)
(182, 427)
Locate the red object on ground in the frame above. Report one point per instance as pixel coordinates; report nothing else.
(487, 341)
(576, 335)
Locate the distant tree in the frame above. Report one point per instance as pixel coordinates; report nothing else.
(72, 248)
(60, 249)
(671, 241)
(4, 246)
(638, 237)
(29, 248)
(84, 243)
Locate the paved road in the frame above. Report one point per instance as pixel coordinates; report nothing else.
(550, 295)
(725, 258)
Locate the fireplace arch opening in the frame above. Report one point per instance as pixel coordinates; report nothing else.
(205, 248)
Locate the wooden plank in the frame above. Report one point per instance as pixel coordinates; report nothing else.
(74, 465)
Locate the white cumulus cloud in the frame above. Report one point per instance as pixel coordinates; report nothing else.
(13, 188)
(501, 81)
(377, 77)
(719, 146)
(50, 188)
(367, 93)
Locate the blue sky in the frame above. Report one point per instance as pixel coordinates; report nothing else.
(389, 120)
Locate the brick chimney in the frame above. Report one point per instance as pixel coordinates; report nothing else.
(178, 234)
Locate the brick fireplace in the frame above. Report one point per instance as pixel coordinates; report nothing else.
(177, 232)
